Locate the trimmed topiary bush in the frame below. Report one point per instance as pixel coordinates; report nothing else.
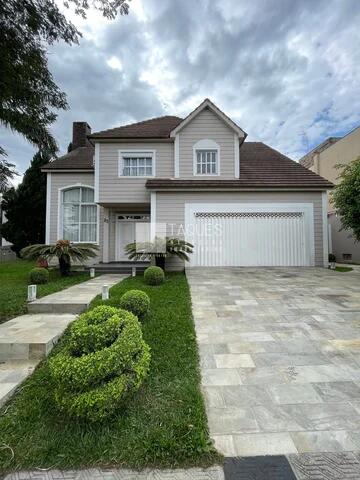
(136, 302)
(103, 362)
(39, 276)
(154, 276)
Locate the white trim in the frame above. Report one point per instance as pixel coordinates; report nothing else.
(135, 151)
(330, 238)
(177, 156)
(60, 224)
(106, 235)
(153, 216)
(324, 206)
(48, 208)
(206, 144)
(208, 104)
(237, 155)
(97, 172)
(306, 208)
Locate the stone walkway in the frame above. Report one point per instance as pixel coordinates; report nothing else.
(26, 340)
(280, 358)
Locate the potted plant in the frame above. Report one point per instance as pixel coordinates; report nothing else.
(65, 252)
(332, 261)
(159, 249)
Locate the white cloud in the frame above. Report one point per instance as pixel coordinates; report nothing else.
(286, 71)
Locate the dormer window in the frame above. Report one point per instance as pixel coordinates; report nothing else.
(206, 162)
(206, 158)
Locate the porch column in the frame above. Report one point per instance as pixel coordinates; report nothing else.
(106, 224)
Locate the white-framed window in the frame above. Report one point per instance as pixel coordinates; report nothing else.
(79, 215)
(206, 158)
(206, 162)
(136, 163)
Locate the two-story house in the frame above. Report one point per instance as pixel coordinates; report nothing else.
(238, 202)
(324, 160)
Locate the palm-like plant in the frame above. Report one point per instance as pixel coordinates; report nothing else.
(64, 250)
(159, 249)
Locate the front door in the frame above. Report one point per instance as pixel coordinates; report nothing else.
(126, 235)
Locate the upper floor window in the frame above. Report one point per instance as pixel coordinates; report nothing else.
(78, 215)
(206, 162)
(136, 164)
(206, 157)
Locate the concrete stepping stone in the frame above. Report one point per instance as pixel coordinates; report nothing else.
(12, 373)
(32, 336)
(74, 299)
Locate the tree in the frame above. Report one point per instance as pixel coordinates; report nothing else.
(28, 93)
(64, 251)
(25, 206)
(346, 197)
(7, 172)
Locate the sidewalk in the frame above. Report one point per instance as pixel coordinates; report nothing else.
(213, 473)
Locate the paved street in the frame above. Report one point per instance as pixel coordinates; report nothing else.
(280, 358)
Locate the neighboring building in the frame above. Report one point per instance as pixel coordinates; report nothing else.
(323, 161)
(238, 202)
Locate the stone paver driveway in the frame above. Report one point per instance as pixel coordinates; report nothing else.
(280, 358)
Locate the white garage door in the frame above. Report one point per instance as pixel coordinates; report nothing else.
(250, 239)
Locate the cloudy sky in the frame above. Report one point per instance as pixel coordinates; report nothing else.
(287, 71)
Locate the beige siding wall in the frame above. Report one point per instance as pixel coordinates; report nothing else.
(207, 125)
(343, 242)
(61, 180)
(115, 189)
(170, 208)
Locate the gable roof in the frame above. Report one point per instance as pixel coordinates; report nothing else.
(80, 158)
(210, 105)
(159, 127)
(260, 167)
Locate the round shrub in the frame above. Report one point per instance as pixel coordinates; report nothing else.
(103, 362)
(154, 276)
(136, 302)
(39, 276)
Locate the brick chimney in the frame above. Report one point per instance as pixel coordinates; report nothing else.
(80, 132)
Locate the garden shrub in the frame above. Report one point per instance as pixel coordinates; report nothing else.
(39, 276)
(103, 362)
(136, 302)
(154, 276)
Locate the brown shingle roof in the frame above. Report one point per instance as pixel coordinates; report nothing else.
(159, 127)
(79, 159)
(260, 167)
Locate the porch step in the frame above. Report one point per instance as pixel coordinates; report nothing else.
(124, 268)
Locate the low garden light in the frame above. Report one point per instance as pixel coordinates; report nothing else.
(31, 293)
(92, 272)
(105, 292)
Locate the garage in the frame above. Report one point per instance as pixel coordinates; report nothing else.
(245, 235)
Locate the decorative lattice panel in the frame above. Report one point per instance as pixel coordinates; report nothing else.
(249, 214)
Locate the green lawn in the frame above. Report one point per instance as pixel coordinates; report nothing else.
(344, 269)
(14, 279)
(164, 424)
